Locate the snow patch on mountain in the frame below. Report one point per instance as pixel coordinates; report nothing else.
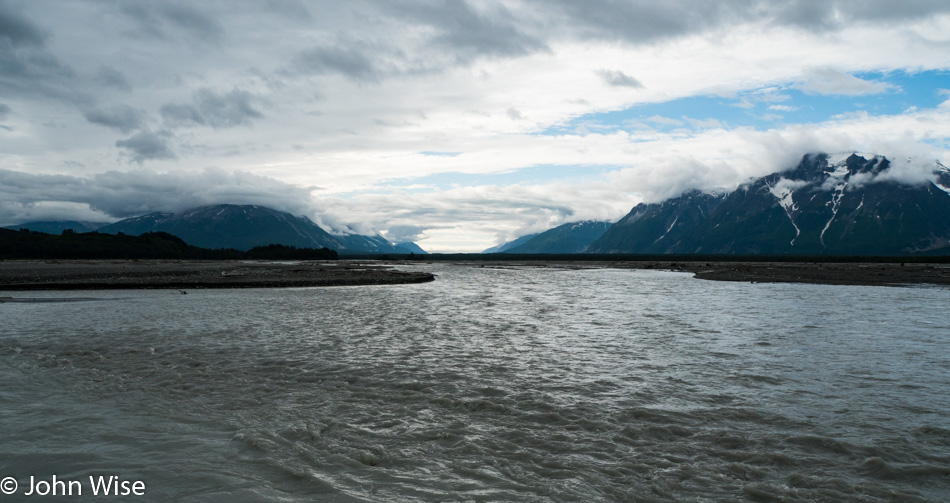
(835, 203)
(783, 190)
(838, 159)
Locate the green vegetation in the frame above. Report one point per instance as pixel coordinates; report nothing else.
(26, 244)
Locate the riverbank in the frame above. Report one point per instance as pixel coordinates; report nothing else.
(880, 274)
(25, 275)
(22, 275)
(825, 273)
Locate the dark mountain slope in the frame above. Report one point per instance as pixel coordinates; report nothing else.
(836, 205)
(244, 227)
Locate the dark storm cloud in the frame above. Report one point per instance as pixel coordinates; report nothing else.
(164, 19)
(291, 9)
(822, 15)
(450, 32)
(619, 79)
(5, 111)
(209, 108)
(110, 77)
(347, 61)
(17, 30)
(122, 118)
(27, 68)
(641, 21)
(147, 145)
(125, 194)
(467, 33)
(646, 21)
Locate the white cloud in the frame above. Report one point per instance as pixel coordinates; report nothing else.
(479, 79)
(666, 121)
(827, 80)
(703, 123)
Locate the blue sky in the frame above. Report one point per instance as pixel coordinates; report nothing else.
(768, 107)
(458, 125)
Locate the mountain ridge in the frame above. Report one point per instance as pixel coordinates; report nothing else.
(243, 227)
(569, 238)
(824, 205)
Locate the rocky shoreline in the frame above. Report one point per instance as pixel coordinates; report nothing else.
(184, 275)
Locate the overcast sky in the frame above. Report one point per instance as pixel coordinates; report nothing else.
(455, 124)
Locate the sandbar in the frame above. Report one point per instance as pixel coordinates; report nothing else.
(24, 275)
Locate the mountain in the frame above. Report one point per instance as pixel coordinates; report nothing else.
(57, 227)
(244, 227)
(837, 205)
(667, 227)
(410, 247)
(574, 237)
(504, 247)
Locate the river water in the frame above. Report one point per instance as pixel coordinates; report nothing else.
(489, 384)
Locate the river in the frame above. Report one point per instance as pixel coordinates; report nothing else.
(492, 383)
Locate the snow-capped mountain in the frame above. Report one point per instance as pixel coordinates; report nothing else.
(828, 204)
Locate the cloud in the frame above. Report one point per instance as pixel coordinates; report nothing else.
(535, 70)
(110, 77)
(122, 118)
(167, 19)
(827, 80)
(467, 33)
(406, 233)
(821, 16)
(116, 194)
(147, 145)
(27, 67)
(639, 22)
(290, 9)
(644, 21)
(212, 109)
(665, 121)
(619, 79)
(350, 62)
(703, 123)
(5, 111)
(16, 30)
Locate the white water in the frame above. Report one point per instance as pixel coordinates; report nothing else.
(524, 384)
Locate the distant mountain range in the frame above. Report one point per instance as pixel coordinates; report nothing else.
(826, 205)
(834, 205)
(574, 237)
(241, 227)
